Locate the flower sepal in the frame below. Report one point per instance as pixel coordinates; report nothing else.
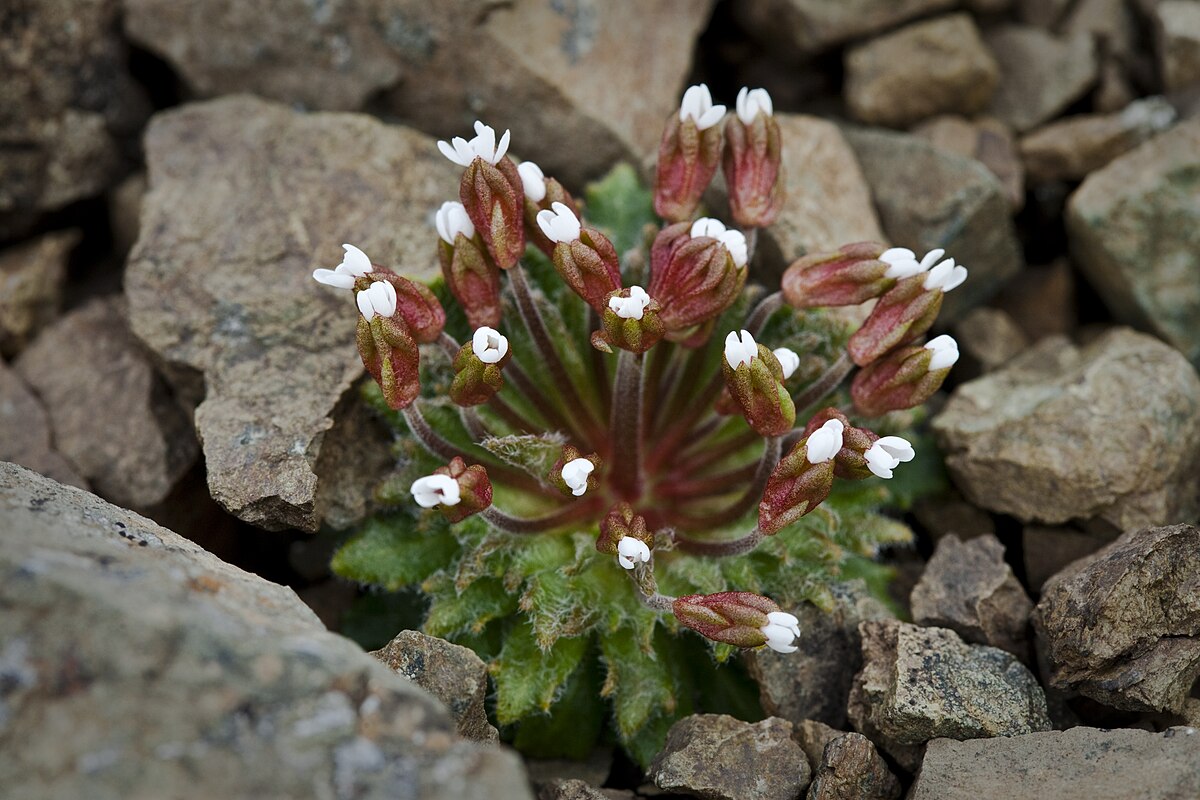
(851, 275)
(755, 381)
(477, 368)
(697, 271)
(742, 619)
(905, 378)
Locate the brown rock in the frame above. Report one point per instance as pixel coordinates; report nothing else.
(1042, 13)
(812, 736)
(1040, 74)
(111, 414)
(1110, 22)
(1122, 626)
(990, 337)
(1048, 550)
(815, 25)
(581, 790)
(25, 432)
(948, 514)
(851, 769)
(1177, 25)
(1041, 300)
(1113, 89)
(926, 68)
(988, 141)
(125, 211)
(31, 283)
(968, 588)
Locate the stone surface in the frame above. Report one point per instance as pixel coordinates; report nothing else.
(110, 412)
(279, 191)
(1076, 764)
(990, 337)
(987, 140)
(815, 25)
(1048, 549)
(852, 769)
(450, 672)
(31, 284)
(814, 682)
(1122, 626)
(1110, 22)
(1071, 148)
(928, 198)
(1042, 13)
(1040, 74)
(579, 790)
(125, 211)
(25, 431)
(927, 68)
(136, 664)
(968, 588)
(1134, 231)
(1017, 443)
(812, 736)
(1041, 300)
(1178, 29)
(918, 684)
(717, 757)
(948, 514)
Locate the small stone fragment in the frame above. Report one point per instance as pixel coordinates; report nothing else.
(1049, 549)
(717, 757)
(948, 514)
(812, 736)
(852, 769)
(987, 140)
(1138, 599)
(1178, 29)
(1040, 74)
(25, 431)
(31, 282)
(581, 790)
(990, 337)
(811, 26)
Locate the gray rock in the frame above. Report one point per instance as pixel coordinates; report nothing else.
(717, 757)
(1110, 22)
(1016, 442)
(968, 588)
(450, 672)
(136, 664)
(1134, 231)
(852, 769)
(580, 790)
(547, 773)
(811, 26)
(1042, 13)
(1048, 549)
(948, 514)
(125, 211)
(918, 684)
(928, 198)
(1076, 764)
(926, 68)
(1041, 300)
(990, 338)
(31, 283)
(1040, 74)
(25, 431)
(111, 414)
(812, 736)
(1122, 626)
(985, 139)
(273, 349)
(814, 682)
(1178, 38)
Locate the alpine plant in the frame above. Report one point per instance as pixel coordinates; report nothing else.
(607, 434)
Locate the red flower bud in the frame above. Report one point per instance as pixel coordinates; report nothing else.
(630, 321)
(391, 356)
(688, 155)
(495, 201)
(584, 257)
(903, 379)
(620, 523)
(477, 368)
(697, 272)
(541, 193)
(802, 479)
(754, 377)
(456, 490)
(752, 161)
(852, 275)
(742, 619)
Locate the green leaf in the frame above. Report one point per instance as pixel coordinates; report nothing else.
(639, 682)
(534, 453)
(620, 206)
(396, 551)
(574, 723)
(470, 610)
(528, 678)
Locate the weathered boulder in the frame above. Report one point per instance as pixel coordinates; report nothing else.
(1122, 626)
(812, 736)
(985, 139)
(989, 338)
(31, 283)
(852, 769)
(1177, 25)
(580, 790)
(25, 431)
(811, 26)
(1017, 443)
(1040, 74)
(136, 664)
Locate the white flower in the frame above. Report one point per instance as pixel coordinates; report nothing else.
(752, 102)
(482, 145)
(452, 220)
(707, 226)
(887, 453)
(697, 104)
(378, 298)
(533, 180)
(825, 442)
(945, 351)
(630, 551)
(944, 276)
(354, 264)
(630, 307)
(781, 630)
(435, 490)
(734, 241)
(489, 345)
(787, 359)
(903, 262)
(740, 349)
(575, 474)
(559, 223)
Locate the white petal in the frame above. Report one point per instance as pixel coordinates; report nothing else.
(451, 220)
(788, 360)
(897, 254)
(945, 352)
(735, 243)
(743, 109)
(751, 103)
(693, 102)
(533, 180)
(452, 153)
(489, 345)
(825, 442)
(740, 349)
(435, 490)
(931, 258)
(330, 278)
(502, 148)
(355, 261)
(785, 620)
(484, 143)
(559, 223)
(880, 462)
(707, 226)
(779, 638)
(897, 447)
(630, 551)
(575, 474)
(945, 276)
(384, 298)
(710, 117)
(363, 299)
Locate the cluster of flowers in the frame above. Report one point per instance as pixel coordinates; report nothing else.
(698, 269)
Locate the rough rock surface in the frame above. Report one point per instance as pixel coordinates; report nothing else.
(450, 672)
(985, 139)
(815, 25)
(25, 431)
(1048, 549)
(947, 513)
(968, 587)
(814, 682)
(929, 198)
(136, 664)
(1040, 74)
(1075, 764)
(1041, 300)
(1016, 442)
(926, 68)
(31, 282)
(130, 438)
(580, 790)
(1134, 230)
(812, 736)
(990, 337)
(918, 684)
(1178, 29)
(246, 198)
(1122, 626)
(852, 769)
(717, 757)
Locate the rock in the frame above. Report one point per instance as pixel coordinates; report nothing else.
(546, 773)
(1070, 149)
(948, 514)
(1122, 626)
(25, 431)
(990, 337)
(1178, 38)
(988, 141)
(1110, 22)
(125, 211)
(1040, 74)
(1134, 230)
(127, 436)
(812, 736)
(1048, 549)
(926, 68)
(450, 672)
(968, 588)
(1042, 13)
(928, 198)
(136, 664)
(918, 684)
(717, 757)
(31, 284)
(343, 462)
(274, 350)
(580, 790)
(814, 682)
(811, 26)
(1041, 300)
(1016, 443)
(851, 769)
(1076, 764)
(1114, 91)
(828, 199)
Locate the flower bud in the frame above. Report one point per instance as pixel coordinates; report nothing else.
(630, 322)
(541, 193)
(574, 473)
(742, 619)
(847, 277)
(492, 192)
(477, 368)
(696, 273)
(391, 356)
(456, 490)
(754, 378)
(688, 155)
(752, 161)
(802, 479)
(471, 275)
(863, 452)
(624, 534)
(904, 378)
(584, 257)
(416, 305)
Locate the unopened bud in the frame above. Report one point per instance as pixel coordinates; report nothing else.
(802, 479)
(477, 368)
(492, 192)
(456, 490)
(541, 193)
(696, 273)
(623, 533)
(471, 275)
(630, 322)
(905, 378)
(584, 257)
(847, 277)
(688, 155)
(863, 452)
(742, 619)
(752, 162)
(754, 378)
(574, 473)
